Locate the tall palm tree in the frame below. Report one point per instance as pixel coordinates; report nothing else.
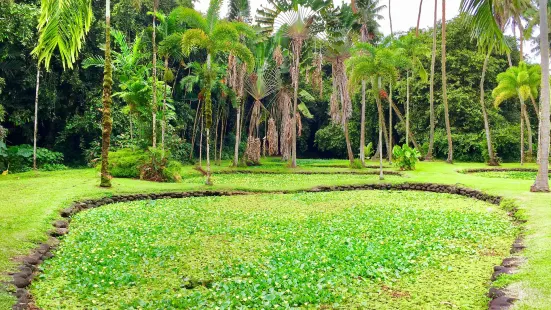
(214, 36)
(368, 12)
(489, 39)
(542, 179)
(239, 11)
(154, 73)
(445, 86)
(521, 81)
(62, 25)
(432, 69)
(374, 64)
(413, 49)
(296, 18)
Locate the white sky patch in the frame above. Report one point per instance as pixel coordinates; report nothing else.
(404, 16)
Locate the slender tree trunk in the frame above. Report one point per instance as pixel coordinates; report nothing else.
(216, 133)
(362, 126)
(432, 69)
(521, 133)
(107, 122)
(348, 144)
(419, 18)
(201, 143)
(407, 106)
(491, 156)
(163, 124)
(208, 124)
(390, 126)
(521, 37)
(381, 175)
(131, 127)
(154, 74)
(529, 129)
(445, 87)
(222, 132)
(535, 105)
(542, 179)
(411, 137)
(36, 114)
(296, 53)
(194, 131)
(390, 18)
(237, 136)
(383, 125)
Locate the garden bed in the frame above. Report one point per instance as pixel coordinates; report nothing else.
(339, 248)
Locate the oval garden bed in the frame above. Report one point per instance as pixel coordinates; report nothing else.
(330, 249)
(505, 173)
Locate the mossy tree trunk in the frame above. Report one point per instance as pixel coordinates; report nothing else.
(107, 121)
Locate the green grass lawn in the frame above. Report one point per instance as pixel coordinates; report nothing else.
(296, 250)
(31, 201)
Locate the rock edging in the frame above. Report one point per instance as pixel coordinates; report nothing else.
(29, 267)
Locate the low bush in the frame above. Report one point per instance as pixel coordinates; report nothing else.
(153, 165)
(405, 157)
(19, 158)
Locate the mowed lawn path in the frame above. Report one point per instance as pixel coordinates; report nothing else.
(29, 202)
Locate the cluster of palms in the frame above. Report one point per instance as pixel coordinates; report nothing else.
(291, 30)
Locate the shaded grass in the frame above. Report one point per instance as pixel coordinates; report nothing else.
(296, 250)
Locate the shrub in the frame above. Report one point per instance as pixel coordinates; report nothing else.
(126, 163)
(159, 168)
(357, 164)
(19, 158)
(53, 167)
(405, 157)
(368, 150)
(152, 165)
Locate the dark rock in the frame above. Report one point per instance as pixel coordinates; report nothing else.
(47, 255)
(495, 292)
(43, 248)
(499, 270)
(21, 282)
(59, 232)
(61, 224)
(21, 292)
(25, 270)
(501, 303)
(32, 259)
(67, 212)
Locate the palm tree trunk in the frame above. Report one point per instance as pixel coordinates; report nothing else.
(521, 36)
(222, 132)
(362, 126)
(194, 131)
(154, 74)
(131, 127)
(521, 134)
(208, 181)
(297, 47)
(237, 135)
(529, 131)
(418, 18)
(208, 123)
(378, 100)
(201, 143)
(407, 106)
(348, 145)
(36, 115)
(491, 157)
(536, 109)
(432, 69)
(444, 86)
(380, 111)
(542, 179)
(390, 125)
(107, 122)
(401, 117)
(163, 123)
(390, 18)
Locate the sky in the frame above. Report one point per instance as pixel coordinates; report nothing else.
(403, 13)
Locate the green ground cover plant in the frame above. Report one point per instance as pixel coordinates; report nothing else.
(265, 251)
(519, 175)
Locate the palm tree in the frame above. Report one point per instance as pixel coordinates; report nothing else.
(368, 12)
(213, 35)
(239, 11)
(432, 69)
(542, 179)
(62, 25)
(413, 49)
(521, 81)
(296, 18)
(445, 87)
(375, 64)
(154, 73)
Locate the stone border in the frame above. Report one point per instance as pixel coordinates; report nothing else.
(29, 267)
(260, 171)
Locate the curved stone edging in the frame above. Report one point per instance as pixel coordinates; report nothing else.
(238, 171)
(29, 267)
(476, 170)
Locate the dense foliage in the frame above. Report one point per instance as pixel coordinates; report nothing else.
(265, 251)
(69, 101)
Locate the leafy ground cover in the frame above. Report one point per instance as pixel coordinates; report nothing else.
(263, 251)
(518, 175)
(30, 201)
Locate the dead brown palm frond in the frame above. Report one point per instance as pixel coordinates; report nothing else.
(299, 124)
(252, 153)
(317, 81)
(278, 56)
